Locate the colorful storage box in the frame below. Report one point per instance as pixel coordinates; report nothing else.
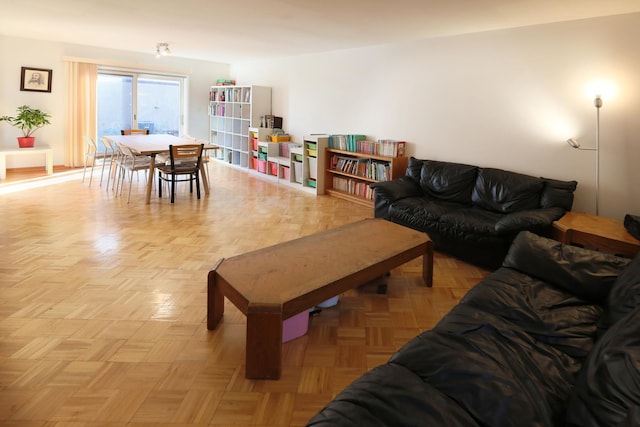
(311, 183)
(313, 168)
(280, 138)
(273, 169)
(254, 143)
(295, 326)
(262, 166)
(297, 172)
(286, 173)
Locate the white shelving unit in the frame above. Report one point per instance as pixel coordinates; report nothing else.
(288, 163)
(232, 111)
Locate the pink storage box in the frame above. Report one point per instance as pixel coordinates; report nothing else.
(295, 326)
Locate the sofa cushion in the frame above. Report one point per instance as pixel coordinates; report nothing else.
(493, 372)
(470, 221)
(557, 193)
(452, 182)
(391, 395)
(419, 212)
(607, 390)
(504, 191)
(624, 296)
(583, 272)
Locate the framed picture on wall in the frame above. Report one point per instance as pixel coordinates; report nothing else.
(35, 79)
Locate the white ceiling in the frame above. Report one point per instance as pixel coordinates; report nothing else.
(237, 30)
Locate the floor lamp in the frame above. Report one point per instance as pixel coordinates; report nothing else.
(597, 102)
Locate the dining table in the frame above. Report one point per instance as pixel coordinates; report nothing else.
(154, 144)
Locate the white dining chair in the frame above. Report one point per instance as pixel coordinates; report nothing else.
(129, 162)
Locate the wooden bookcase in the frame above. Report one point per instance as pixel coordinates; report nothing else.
(232, 111)
(343, 181)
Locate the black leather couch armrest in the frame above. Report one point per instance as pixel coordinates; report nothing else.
(531, 220)
(387, 192)
(397, 189)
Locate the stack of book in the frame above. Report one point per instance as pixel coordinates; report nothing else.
(225, 82)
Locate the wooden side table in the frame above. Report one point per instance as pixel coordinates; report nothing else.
(595, 232)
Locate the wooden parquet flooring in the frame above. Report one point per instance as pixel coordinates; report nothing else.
(103, 306)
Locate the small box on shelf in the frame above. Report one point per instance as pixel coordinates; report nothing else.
(280, 138)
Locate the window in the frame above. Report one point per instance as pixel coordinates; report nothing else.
(128, 100)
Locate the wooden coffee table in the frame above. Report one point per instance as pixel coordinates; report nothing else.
(274, 283)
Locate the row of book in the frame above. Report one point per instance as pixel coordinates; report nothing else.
(352, 186)
(238, 94)
(366, 168)
(360, 144)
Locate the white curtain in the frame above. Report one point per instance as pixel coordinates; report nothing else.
(81, 110)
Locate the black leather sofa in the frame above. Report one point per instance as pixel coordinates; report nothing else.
(549, 339)
(472, 213)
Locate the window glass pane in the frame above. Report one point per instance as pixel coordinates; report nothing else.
(159, 104)
(115, 104)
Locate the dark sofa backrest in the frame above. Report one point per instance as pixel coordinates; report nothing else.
(489, 188)
(452, 182)
(503, 191)
(557, 194)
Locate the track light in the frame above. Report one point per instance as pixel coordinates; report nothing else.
(162, 49)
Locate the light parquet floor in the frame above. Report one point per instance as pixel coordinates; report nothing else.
(103, 306)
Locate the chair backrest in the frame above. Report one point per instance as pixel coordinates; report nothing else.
(134, 132)
(186, 155)
(108, 144)
(92, 147)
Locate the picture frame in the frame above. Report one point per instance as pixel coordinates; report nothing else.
(35, 79)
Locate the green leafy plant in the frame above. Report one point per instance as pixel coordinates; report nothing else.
(28, 120)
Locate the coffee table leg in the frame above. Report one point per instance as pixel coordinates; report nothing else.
(215, 301)
(264, 342)
(427, 265)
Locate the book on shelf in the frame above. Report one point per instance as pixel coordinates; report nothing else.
(225, 82)
(353, 187)
(360, 144)
(365, 168)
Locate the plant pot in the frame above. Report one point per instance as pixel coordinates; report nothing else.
(24, 142)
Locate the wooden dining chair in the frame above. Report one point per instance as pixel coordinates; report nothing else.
(134, 132)
(184, 165)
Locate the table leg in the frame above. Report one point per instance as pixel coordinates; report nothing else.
(427, 265)
(203, 175)
(215, 301)
(152, 165)
(264, 342)
(49, 161)
(3, 166)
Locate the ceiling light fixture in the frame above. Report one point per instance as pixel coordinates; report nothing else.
(162, 49)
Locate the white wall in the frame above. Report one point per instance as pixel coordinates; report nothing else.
(506, 99)
(18, 52)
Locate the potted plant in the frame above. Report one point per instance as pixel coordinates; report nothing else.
(28, 121)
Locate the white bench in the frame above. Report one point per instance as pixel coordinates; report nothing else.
(45, 149)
